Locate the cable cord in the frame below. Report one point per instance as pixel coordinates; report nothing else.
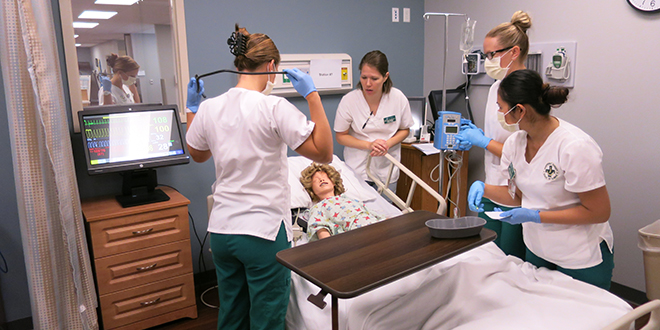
(454, 164)
(201, 297)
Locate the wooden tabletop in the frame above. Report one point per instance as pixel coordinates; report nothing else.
(355, 262)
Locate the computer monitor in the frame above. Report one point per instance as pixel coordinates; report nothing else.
(455, 102)
(133, 139)
(418, 110)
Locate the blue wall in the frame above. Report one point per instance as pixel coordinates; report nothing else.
(340, 26)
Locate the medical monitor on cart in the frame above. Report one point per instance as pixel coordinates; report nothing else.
(133, 139)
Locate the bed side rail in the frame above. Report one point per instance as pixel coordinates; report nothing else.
(404, 206)
(626, 322)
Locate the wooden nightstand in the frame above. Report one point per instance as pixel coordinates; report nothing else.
(142, 261)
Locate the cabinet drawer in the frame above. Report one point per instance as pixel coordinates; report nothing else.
(130, 269)
(132, 305)
(133, 232)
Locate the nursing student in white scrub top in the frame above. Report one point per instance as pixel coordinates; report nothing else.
(121, 88)
(554, 171)
(373, 120)
(247, 132)
(505, 48)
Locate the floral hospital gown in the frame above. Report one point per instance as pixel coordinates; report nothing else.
(339, 214)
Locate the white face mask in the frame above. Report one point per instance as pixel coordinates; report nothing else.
(493, 68)
(509, 127)
(269, 86)
(129, 82)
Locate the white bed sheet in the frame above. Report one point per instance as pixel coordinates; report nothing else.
(479, 289)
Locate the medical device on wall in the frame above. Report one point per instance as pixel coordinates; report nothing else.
(470, 64)
(473, 64)
(332, 73)
(560, 66)
(446, 128)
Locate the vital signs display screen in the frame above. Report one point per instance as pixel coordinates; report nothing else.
(138, 136)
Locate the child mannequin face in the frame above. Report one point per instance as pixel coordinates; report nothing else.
(322, 186)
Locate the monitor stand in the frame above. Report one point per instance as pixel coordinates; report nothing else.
(139, 188)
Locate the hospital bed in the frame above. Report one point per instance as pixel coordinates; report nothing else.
(479, 289)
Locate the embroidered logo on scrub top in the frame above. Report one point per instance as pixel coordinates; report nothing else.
(389, 119)
(550, 172)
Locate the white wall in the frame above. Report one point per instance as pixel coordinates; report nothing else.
(166, 61)
(145, 53)
(616, 96)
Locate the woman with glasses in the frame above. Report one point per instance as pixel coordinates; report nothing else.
(554, 171)
(373, 120)
(505, 51)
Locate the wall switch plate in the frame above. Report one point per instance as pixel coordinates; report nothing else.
(395, 14)
(406, 15)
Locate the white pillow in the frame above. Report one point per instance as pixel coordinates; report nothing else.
(355, 187)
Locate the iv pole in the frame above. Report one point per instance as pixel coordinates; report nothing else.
(444, 89)
(444, 65)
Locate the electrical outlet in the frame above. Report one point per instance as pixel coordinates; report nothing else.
(406, 15)
(395, 14)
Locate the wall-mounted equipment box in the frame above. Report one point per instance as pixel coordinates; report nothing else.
(332, 73)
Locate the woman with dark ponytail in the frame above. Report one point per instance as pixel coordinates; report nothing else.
(555, 174)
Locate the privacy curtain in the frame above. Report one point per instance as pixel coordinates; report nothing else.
(59, 273)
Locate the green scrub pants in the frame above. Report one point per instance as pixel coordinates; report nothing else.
(252, 286)
(599, 275)
(509, 237)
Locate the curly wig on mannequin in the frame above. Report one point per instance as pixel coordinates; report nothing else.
(307, 174)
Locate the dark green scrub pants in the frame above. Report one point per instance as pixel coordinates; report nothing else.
(252, 286)
(509, 237)
(599, 275)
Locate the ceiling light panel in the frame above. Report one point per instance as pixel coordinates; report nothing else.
(95, 14)
(84, 25)
(116, 2)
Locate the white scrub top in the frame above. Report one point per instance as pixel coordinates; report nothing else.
(493, 130)
(393, 114)
(119, 95)
(569, 162)
(248, 133)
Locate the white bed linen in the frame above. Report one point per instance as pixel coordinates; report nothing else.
(479, 289)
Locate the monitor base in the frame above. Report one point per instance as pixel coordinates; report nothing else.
(154, 196)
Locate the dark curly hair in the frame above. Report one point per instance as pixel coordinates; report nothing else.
(307, 174)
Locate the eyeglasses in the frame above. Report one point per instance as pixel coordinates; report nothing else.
(490, 55)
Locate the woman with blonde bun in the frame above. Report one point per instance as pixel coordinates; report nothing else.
(120, 89)
(505, 50)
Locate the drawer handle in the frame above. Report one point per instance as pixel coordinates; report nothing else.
(147, 303)
(141, 232)
(141, 269)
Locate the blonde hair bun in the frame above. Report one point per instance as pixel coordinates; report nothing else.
(522, 20)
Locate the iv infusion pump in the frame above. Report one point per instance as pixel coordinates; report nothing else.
(446, 128)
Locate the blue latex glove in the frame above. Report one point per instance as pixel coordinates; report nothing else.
(194, 97)
(475, 195)
(301, 81)
(106, 83)
(473, 135)
(520, 215)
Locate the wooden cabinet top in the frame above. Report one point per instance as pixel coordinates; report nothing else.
(107, 207)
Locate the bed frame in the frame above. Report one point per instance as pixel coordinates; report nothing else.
(625, 322)
(404, 206)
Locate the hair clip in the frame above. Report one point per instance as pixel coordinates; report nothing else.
(237, 44)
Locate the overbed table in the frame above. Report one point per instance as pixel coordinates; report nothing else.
(366, 258)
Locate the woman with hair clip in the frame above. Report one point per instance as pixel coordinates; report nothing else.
(505, 49)
(246, 131)
(373, 119)
(554, 171)
(121, 88)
